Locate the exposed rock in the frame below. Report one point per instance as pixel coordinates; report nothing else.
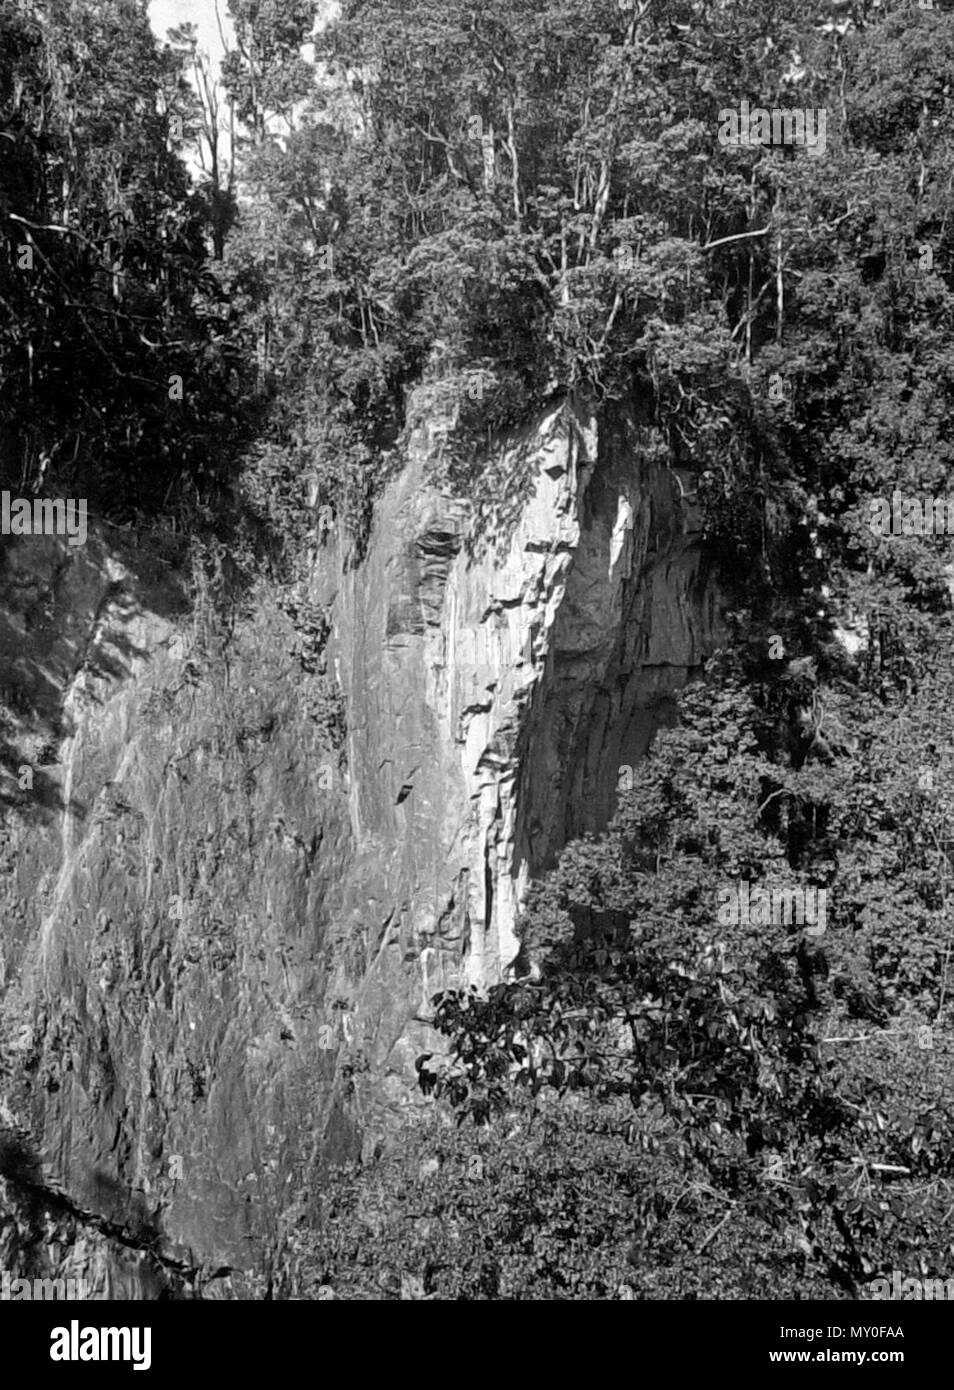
(217, 936)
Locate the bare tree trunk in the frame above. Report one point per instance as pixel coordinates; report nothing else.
(779, 279)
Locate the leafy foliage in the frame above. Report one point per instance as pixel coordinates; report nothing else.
(760, 1111)
(117, 369)
(460, 215)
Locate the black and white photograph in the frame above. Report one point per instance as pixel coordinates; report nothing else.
(476, 670)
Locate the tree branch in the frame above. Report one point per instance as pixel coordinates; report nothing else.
(741, 236)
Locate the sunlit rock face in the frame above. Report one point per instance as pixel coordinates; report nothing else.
(219, 935)
(498, 682)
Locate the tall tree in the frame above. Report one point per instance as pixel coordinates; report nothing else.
(113, 352)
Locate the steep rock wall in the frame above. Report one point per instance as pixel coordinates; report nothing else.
(218, 938)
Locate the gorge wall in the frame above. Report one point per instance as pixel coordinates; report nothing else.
(219, 933)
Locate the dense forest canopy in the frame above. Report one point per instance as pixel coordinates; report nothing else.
(481, 210)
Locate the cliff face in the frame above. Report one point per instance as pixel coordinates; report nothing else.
(217, 933)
